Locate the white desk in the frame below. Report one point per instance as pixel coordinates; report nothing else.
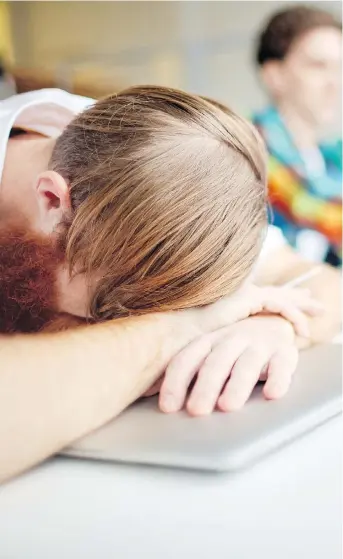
(287, 507)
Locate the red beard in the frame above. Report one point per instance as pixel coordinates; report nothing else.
(28, 268)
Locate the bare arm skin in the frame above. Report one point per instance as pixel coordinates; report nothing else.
(285, 264)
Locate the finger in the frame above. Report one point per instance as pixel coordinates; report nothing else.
(304, 300)
(182, 369)
(281, 369)
(264, 374)
(213, 374)
(296, 297)
(311, 307)
(154, 389)
(292, 314)
(180, 372)
(244, 376)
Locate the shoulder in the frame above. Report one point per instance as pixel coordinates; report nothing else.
(73, 103)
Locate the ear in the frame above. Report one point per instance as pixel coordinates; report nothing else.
(53, 200)
(272, 75)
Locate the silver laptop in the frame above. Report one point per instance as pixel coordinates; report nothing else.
(223, 442)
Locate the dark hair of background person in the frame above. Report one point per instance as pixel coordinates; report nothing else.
(286, 26)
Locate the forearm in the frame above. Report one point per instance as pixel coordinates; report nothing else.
(55, 388)
(325, 287)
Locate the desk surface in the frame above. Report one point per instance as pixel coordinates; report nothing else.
(288, 506)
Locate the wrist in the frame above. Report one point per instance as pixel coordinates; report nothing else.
(186, 325)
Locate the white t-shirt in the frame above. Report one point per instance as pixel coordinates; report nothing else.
(48, 111)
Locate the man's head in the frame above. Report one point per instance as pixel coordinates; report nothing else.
(158, 201)
(299, 53)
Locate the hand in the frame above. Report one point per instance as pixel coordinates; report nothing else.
(291, 303)
(228, 364)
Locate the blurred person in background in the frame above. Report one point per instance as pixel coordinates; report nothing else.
(299, 55)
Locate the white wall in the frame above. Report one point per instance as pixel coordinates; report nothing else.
(203, 46)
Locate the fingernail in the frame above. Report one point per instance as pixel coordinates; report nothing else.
(169, 403)
(230, 404)
(199, 407)
(275, 390)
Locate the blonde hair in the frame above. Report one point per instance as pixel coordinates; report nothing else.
(168, 196)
